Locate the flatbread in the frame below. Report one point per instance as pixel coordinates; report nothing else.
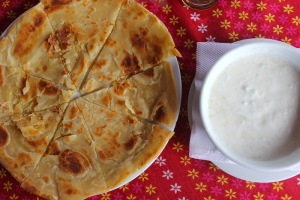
(149, 95)
(23, 93)
(29, 37)
(124, 144)
(83, 32)
(145, 42)
(24, 139)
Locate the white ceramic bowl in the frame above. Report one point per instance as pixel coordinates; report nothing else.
(278, 50)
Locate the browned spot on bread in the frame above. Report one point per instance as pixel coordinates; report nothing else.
(149, 73)
(53, 149)
(131, 143)
(73, 112)
(3, 136)
(46, 179)
(72, 162)
(99, 64)
(2, 78)
(47, 88)
(71, 191)
(105, 154)
(138, 39)
(45, 68)
(130, 63)
(65, 36)
(119, 89)
(27, 35)
(111, 42)
(37, 143)
(160, 113)
(24, 159)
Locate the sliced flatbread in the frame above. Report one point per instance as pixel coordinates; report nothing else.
(124, 144)
(138, 41)
(69, 169)
(81, 34)
(22, 93)
(150, 95)
(24, 139)
(30, 49)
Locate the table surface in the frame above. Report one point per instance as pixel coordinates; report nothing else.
(174, 175)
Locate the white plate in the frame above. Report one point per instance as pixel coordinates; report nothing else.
(237, 170)
(178, 84)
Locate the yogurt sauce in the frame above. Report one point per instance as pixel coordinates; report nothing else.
(254, 107)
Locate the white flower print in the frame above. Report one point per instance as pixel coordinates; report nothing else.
(202, 28)
(175, 188)
(183, 198)
(167, 174)
(210, 39)
(160, 161)
(298, 179)
(195, 16)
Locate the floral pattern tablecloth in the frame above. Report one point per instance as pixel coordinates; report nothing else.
(174, 175)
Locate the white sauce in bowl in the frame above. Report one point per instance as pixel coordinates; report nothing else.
(254, 107)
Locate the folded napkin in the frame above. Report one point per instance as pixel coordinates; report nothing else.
(201, 147)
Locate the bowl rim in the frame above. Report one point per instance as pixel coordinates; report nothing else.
(203, 103)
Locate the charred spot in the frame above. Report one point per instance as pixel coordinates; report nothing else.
(131, 143)
(72, 162)
(130, 63)
(149, 73)
(3, 136)
(159, 113)
(105, 154)
(139, 40)
(48, 88)
(39, 19)
(37, 143)
(64, 36)
(73, 112)
(45, 68)
(53, 149)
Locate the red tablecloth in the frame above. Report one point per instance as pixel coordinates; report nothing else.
(174, 175)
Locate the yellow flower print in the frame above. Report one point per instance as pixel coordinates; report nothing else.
(225, 24)
(200, 187)
(181, 31)
(277, 29)
(7, 186)
(235, 4)
(177, 147)
(250, 185)
(243, 15)
(189, 43)
(208, 198)
(186, 78)
(269, 17)
(131, 197)
(11, 14)
(5, 3)
(2, 173)
(222, 179)
(261, 6)
(251, 27)
(167, 9)
(213, 167)
(296, 20)
(144, 176)
(233, 36)
(286, 197)
(150, 189)
(124, 187)
(193, 173)
(13, 197)
(230, 194)
(185, 160)
(217, 13)
(260, 36)
(174, 20)
(105, 196)
(258, 196)
(288, 9)
(277, 186)
(286, 40)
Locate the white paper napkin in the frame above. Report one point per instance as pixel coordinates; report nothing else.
(201, 147)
